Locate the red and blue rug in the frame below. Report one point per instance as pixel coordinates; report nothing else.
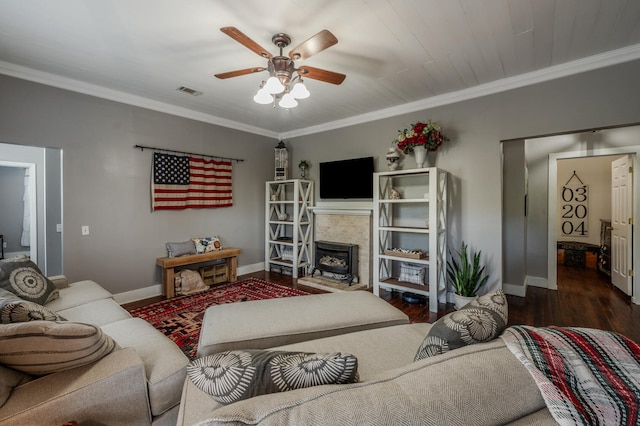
(180, 318)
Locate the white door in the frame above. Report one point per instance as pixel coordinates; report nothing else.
(621, 219)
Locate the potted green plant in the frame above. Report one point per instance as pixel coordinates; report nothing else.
(465, 275)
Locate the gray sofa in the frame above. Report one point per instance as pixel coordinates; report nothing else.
(480, 384)
(138, 383)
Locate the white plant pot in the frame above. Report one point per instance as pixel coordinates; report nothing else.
(460, 301)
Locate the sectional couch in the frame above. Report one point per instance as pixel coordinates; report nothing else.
(467, 368)
(139, 382)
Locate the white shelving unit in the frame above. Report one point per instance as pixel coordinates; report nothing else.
(288, 241)
(416, 220)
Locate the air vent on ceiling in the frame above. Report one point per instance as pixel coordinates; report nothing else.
(189, 90)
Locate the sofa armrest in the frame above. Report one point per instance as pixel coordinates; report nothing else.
(111, 391)
(60, 281)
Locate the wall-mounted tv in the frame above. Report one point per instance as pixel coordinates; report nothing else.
(347, 178)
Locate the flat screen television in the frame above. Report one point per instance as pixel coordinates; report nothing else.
(351, 178)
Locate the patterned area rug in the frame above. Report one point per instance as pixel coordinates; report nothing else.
(180, 318)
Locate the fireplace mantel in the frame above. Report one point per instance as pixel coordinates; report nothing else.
(363, 208)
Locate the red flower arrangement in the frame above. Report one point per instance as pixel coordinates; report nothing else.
(428, 135)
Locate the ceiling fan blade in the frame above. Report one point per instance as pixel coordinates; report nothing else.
(240, 72)
(315, 44)
(244, 40)
(322, 75)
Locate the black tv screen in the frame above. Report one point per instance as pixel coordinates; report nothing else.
(347, 178)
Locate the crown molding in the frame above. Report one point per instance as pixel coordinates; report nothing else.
(60, 82)
(613, 57)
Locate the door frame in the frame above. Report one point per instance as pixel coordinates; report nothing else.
(552, 182)
(33, 197)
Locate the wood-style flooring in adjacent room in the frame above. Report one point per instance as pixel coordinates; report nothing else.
(583, 299)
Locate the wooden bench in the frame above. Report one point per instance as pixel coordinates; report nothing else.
(168, 265)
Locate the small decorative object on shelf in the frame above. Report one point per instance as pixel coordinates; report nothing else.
(304, 168)
(282, 216)
(393, 158)
(394, 194)
(282, 161)
(411, 254)
(418, 139)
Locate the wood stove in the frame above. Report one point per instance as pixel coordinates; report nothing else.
(336, 258)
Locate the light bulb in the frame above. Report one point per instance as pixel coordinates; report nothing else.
(300, 91)
(273, 86)
(263, 97)
(288, 101)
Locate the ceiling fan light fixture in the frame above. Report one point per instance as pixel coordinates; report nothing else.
(263, 97)
(288, 101)
(274, 85)
(300, 91)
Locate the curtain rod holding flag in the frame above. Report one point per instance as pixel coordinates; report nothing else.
(142, 148)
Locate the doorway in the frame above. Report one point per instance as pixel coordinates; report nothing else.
(18, 224)
(553, 197)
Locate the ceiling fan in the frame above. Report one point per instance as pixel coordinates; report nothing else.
(282, 68)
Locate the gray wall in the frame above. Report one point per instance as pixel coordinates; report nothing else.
(107, 181)
(600, 98)
(514, 223)
(12, 207)
(53, 201)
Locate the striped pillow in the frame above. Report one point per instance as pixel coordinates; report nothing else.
(43, 347)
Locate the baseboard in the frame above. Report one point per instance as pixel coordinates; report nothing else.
(535, 281)
(248, 269)
(156, 289)
(514, 289)
(139, 294)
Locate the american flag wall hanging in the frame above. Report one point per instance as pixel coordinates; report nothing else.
(181, 182)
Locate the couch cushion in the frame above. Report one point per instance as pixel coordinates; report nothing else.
(485, 379)
(232, 376)
(13, 309)
(100, 312)
(481, 320)
(77, 294)
(164, 363)
(43, 347)
(23, 278)
(9, 379)
(275, 322)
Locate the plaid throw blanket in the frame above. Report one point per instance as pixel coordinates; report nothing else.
(586, 376)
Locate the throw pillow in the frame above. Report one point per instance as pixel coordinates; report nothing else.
(410, 273)
(13, 309)
(481, 320)
(23, 278)
(236, 375)
(10, 379)
(205, 245)
(43, 347)
(180, 249)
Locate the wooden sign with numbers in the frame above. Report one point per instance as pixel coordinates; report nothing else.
(575, 208)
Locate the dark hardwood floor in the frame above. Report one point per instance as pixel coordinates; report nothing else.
(583, 299)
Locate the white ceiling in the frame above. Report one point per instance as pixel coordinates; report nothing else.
(398, 55)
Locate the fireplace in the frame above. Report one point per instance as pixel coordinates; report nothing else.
(336, 258)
